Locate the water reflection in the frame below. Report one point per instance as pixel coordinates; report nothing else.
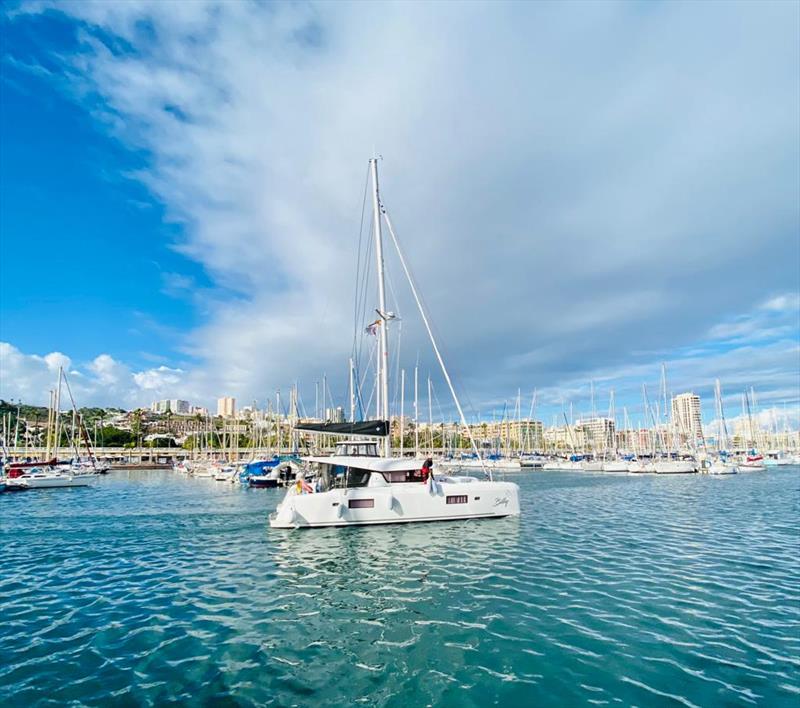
(370, 551)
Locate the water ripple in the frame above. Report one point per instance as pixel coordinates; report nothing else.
(150, 588)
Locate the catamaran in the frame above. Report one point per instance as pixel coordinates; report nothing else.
(357, 485)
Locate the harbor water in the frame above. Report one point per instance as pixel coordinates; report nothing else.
(625, 590)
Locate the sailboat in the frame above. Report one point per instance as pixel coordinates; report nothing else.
(721, 465)
(358, 486)
(753, 460)
(54, 474)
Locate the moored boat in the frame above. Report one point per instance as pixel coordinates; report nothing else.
(720, 467)
(41, 479)
(753, 463)
(615, 466)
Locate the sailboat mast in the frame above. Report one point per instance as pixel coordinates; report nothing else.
(383, 365)
(416, 411)
(430, 414)
(402, 408)
(352, 394)
(57, 413)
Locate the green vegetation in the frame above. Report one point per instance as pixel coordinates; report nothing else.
(114, 437)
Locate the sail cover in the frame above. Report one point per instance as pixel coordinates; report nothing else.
(369, 428)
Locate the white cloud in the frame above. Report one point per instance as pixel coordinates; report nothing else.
(56, 361)
(568, 184)
(788, 302)
(102, 381)
(160, 379)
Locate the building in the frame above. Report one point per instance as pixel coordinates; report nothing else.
(686, 416)
(565, 438)
(226, 407)
(171, 405)
(513, 434)
(599, 433)
(334, 415)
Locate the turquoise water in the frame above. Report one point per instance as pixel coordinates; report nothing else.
(623, 590)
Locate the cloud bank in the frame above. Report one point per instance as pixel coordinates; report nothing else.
(581, 189)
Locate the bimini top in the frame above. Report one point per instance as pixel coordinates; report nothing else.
(367, 428)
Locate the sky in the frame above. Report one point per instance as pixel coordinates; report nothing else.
(584, 191)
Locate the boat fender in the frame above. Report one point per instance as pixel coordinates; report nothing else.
(340, 510)
(432, 486)
(390, 501)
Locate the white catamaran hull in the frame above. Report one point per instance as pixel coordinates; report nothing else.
(444, 500)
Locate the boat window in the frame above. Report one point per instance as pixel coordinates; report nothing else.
(396, 476)
(457, 499)
(357, 477)
(357, 449)
(361, 503)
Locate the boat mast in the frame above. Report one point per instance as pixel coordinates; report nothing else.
(383, 360)
(430, 414)
(352, 394)
(278, 419)
(416, 411)
(57, 415)
(402, 408)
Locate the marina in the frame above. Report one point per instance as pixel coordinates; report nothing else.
(399, 355)
(634, 590)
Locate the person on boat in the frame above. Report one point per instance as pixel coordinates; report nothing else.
(427, 470)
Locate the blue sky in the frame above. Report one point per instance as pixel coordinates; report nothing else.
(584, 190)
(95, 238)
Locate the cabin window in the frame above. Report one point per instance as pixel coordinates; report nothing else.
(457, 499)
(402, 476)
(361, 503)
(357, 477)
(357, 449)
